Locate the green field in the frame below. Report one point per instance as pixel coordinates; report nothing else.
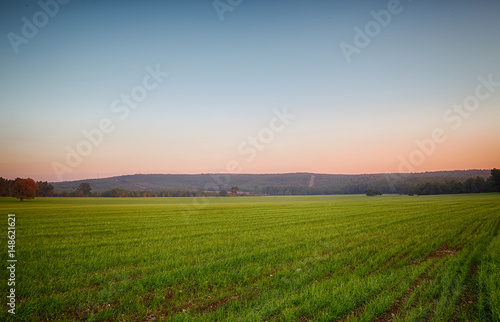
(319, 258)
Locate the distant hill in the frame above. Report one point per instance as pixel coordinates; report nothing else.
(260, 183)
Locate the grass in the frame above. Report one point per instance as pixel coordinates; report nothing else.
(321, 258)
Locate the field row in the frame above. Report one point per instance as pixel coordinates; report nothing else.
(259, 258)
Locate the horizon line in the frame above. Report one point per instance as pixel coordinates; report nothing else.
(271, 173)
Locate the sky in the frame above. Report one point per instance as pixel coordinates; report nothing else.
(93, 89)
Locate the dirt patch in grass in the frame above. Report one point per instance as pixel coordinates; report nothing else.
(213, 306)
(170, 294)
(187, 306)
(443, 251)
(205, 305)
(148, 297)
(326, 253)
(82, 314)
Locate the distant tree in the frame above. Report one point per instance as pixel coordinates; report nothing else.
(24, 189)
(223, 193)
(495, 179)
(44, 189)
(373, 192)
(85, 189)
(234, 191)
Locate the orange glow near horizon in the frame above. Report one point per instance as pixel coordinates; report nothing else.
(341, 160)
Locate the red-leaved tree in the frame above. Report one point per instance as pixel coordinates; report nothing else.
(24, 189)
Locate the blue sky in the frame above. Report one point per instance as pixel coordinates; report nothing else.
(226, 77)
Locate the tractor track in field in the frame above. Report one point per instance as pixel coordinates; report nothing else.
(443, 251)
(84, 313)
(387, 263)
(357, 311)
(396, 306)
(469, 297)
(209, 303)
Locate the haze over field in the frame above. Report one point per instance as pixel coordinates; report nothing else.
(97, 89)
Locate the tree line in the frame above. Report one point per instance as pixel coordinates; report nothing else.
(403, 187)
(29, 189)
(25, 188)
